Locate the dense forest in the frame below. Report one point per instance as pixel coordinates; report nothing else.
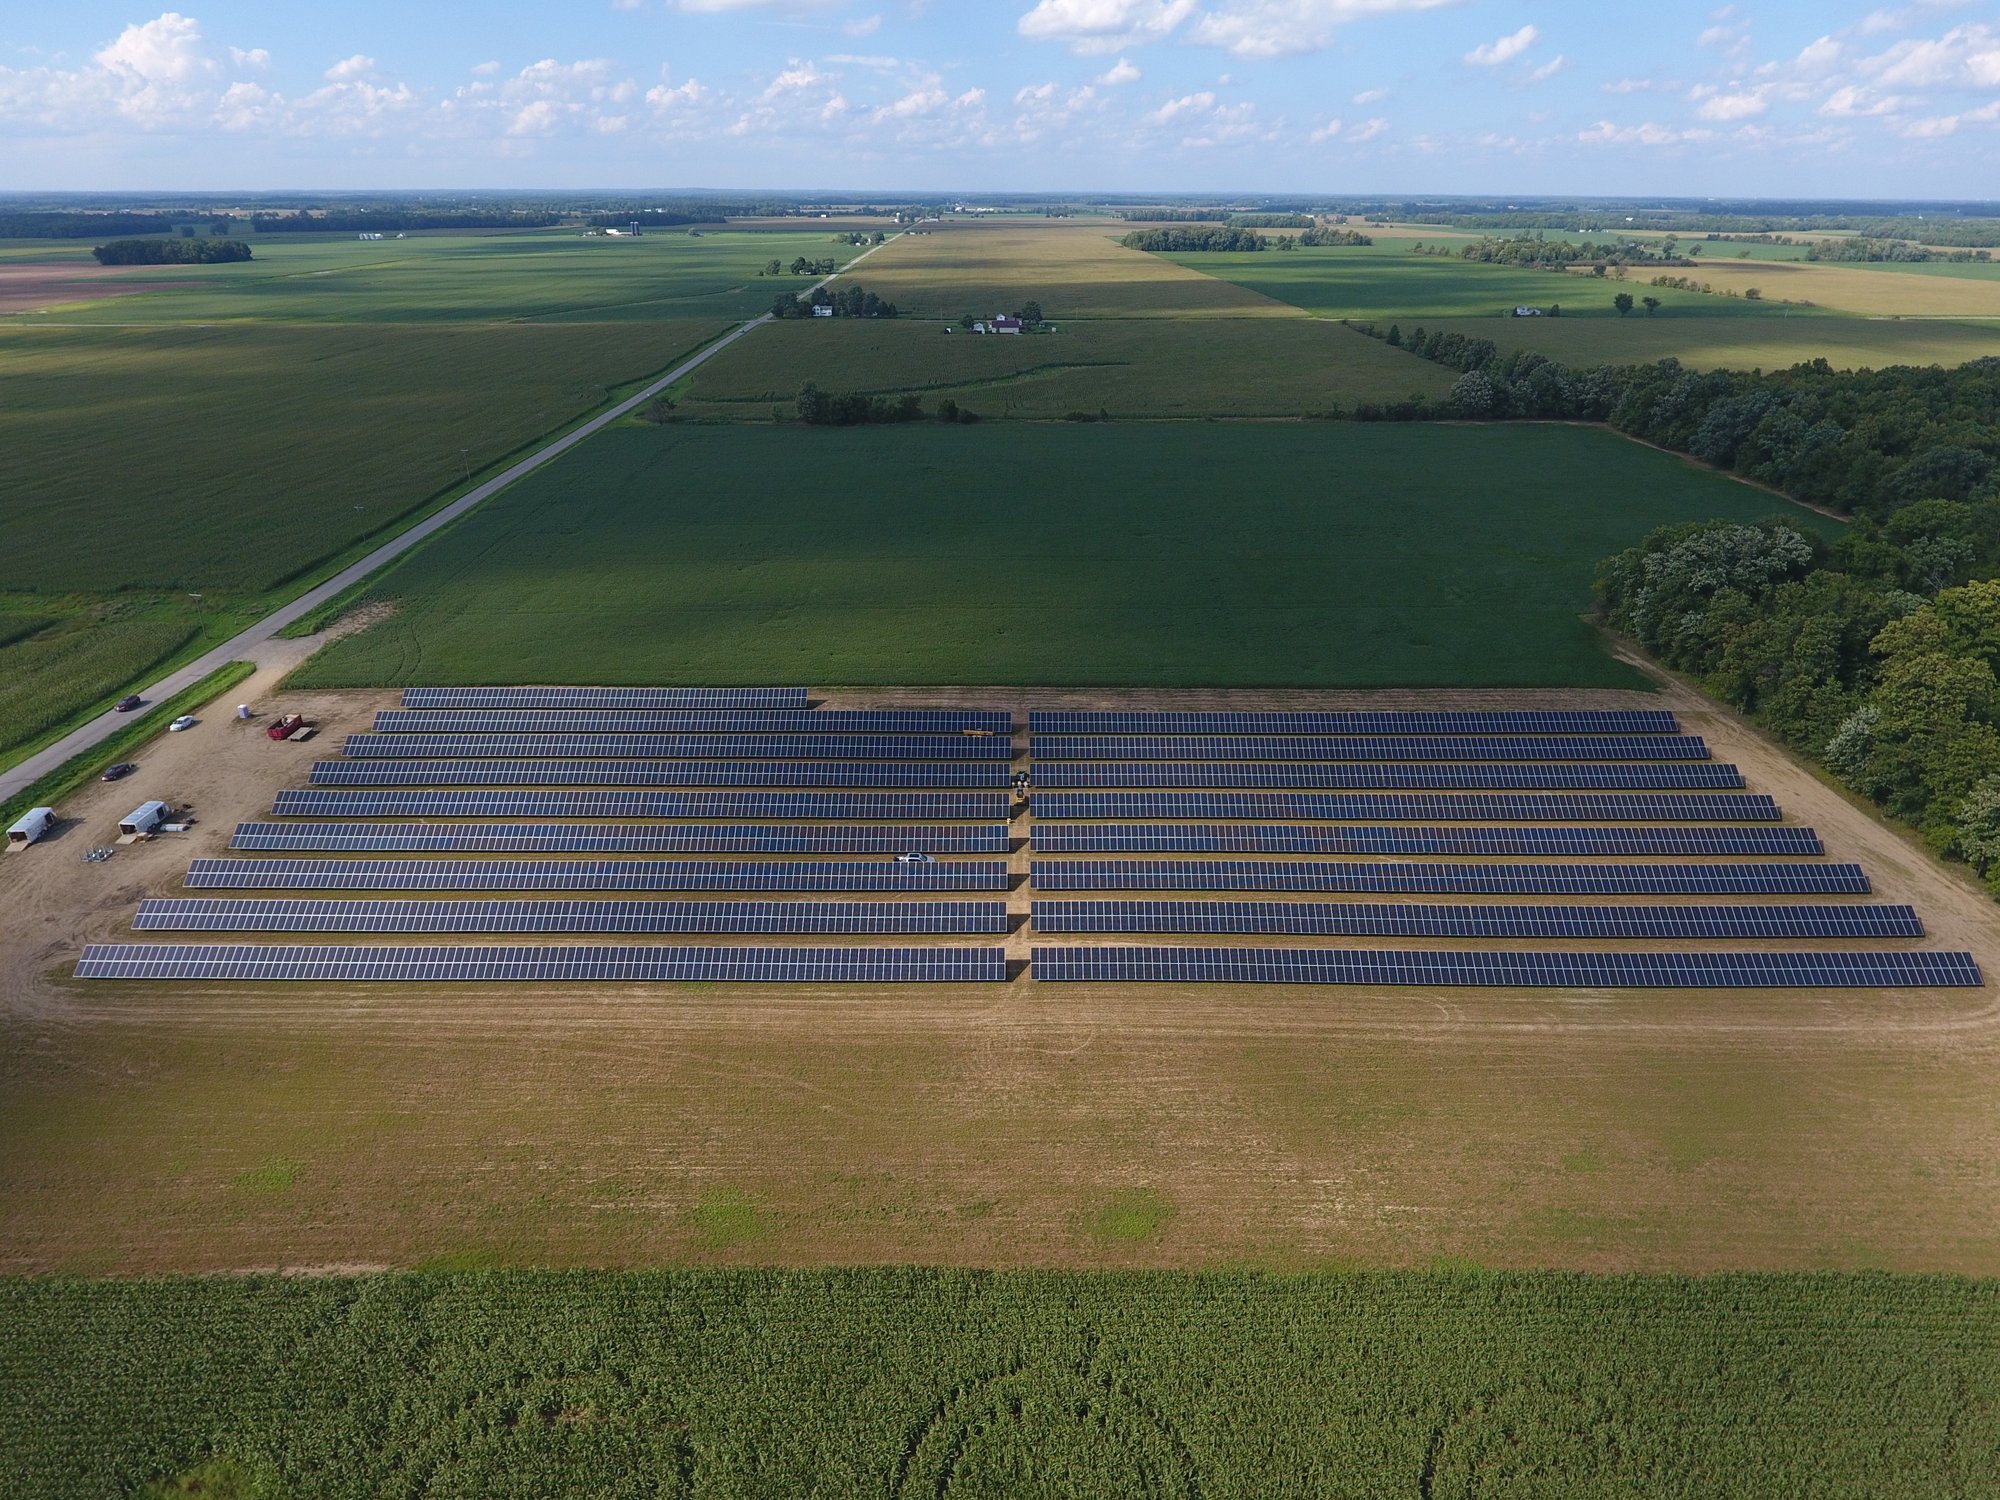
(1876, 653)
(170, 252)
(81, 226)
(1198, 237)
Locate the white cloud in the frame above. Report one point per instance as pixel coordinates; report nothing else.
(680, 96)
(1174, 108)
(1737, 106)
(1850, 101)
(1818, 56)
(485, 69)
(1370, 96)
(347, 69)
(1283, 28)
(256, 57)
(1368, 130)
(165, 50)
(876, 61)
(247, 106)
(1549, 69)
(1325, 132)
(1503, 49)
(1604, 133)
(862, 26)
(1119, 72)
(1629, 86)
(1100, 26)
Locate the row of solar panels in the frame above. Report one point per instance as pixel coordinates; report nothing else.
(862, 918)
(995, 838)
(607, 697)
(1049, 806)
(978, 721)
(1122, 965)
(923, 747)
(1371, 721)
(1748, 878)
(993, 775)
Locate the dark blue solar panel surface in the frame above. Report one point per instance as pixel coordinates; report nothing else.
(606, 697)
(1375, 919)
(240, 914)
(600, 838)
(680, 746)
(697, 721)
(1471, 776)
(643, 773)
(1446, 879)
(1490, 747)
(593, 875)
(1665, 839)
(547, 965)
(1522, 807)
(1373, 721)
(984, 807)
(1126, 965)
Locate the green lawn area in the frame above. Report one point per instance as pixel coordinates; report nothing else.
(893, 1383)
(1381, 283)
(1133, 367)
(1323, 555)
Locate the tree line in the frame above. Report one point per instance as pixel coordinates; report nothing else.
(847, 302)
(170, 252)
(386, 220)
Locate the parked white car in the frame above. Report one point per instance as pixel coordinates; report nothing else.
(185, 721)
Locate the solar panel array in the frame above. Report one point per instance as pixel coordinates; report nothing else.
(1700, 970)
(981, 807)
(825, 918)
(1370, 721)
(1687, 776)
(679, 746)
(643, 773)
(593, 875)
(1402, 919)
(1446, 879)
(976, 721)
(634, 838)
(1253, 838)
(762, 965)
(1359, 807)
(606, 697)
(1411, 747)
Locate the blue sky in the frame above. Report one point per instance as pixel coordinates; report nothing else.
(1442, 96)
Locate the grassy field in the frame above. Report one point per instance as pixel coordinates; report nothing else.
(1207, 555)
(1873, 291)
(547, 275)
(1772, 342)
(1132, 367)
(900, 1384)
(1074, 268)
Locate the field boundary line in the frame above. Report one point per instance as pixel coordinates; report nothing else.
(24, 774)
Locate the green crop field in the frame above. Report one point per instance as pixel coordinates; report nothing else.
(1133, 367)
(1213, 555)
(896, 1384)
(1773, 342)
(1380, 283)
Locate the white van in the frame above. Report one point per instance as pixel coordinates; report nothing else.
(35, 822)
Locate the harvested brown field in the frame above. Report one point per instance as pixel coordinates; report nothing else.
(27, 288)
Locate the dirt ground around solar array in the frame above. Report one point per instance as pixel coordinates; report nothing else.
(191, 1128)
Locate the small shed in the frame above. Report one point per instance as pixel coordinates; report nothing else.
(31, 825)
(143, 819)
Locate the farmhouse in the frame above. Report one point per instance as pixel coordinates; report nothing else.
(1527, 312)
(1005, 324)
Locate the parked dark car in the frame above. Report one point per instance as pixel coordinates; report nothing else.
(129, 702)
(118, 772)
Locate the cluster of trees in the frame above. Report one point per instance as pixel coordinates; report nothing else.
(800, 266)
(1314, 237)
(1177, 215)
(1273, 221)
(1538, 250)
(1197, 237)
(846, 302)
(818, 408)
(170, 252)
(1623, 302)
(75, 226)
(1877, 654)
(860, 237)
(1869, 248)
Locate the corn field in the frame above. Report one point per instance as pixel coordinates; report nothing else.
(959, 1384)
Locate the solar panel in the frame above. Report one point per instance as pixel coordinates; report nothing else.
(984, 807)
(1449, 880)
(1522, 807)
(210, 914)
(976, 721)
(1372, 919)
(1550, 776)
(1251, 838)
(1489, 747)
(681, 746)
(772, 965)
(1396, 721)
(1128, 965)
(592, 875)
(644, 773)
(602, 838)
(606, 697)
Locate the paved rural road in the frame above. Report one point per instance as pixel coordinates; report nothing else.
(19, 778)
